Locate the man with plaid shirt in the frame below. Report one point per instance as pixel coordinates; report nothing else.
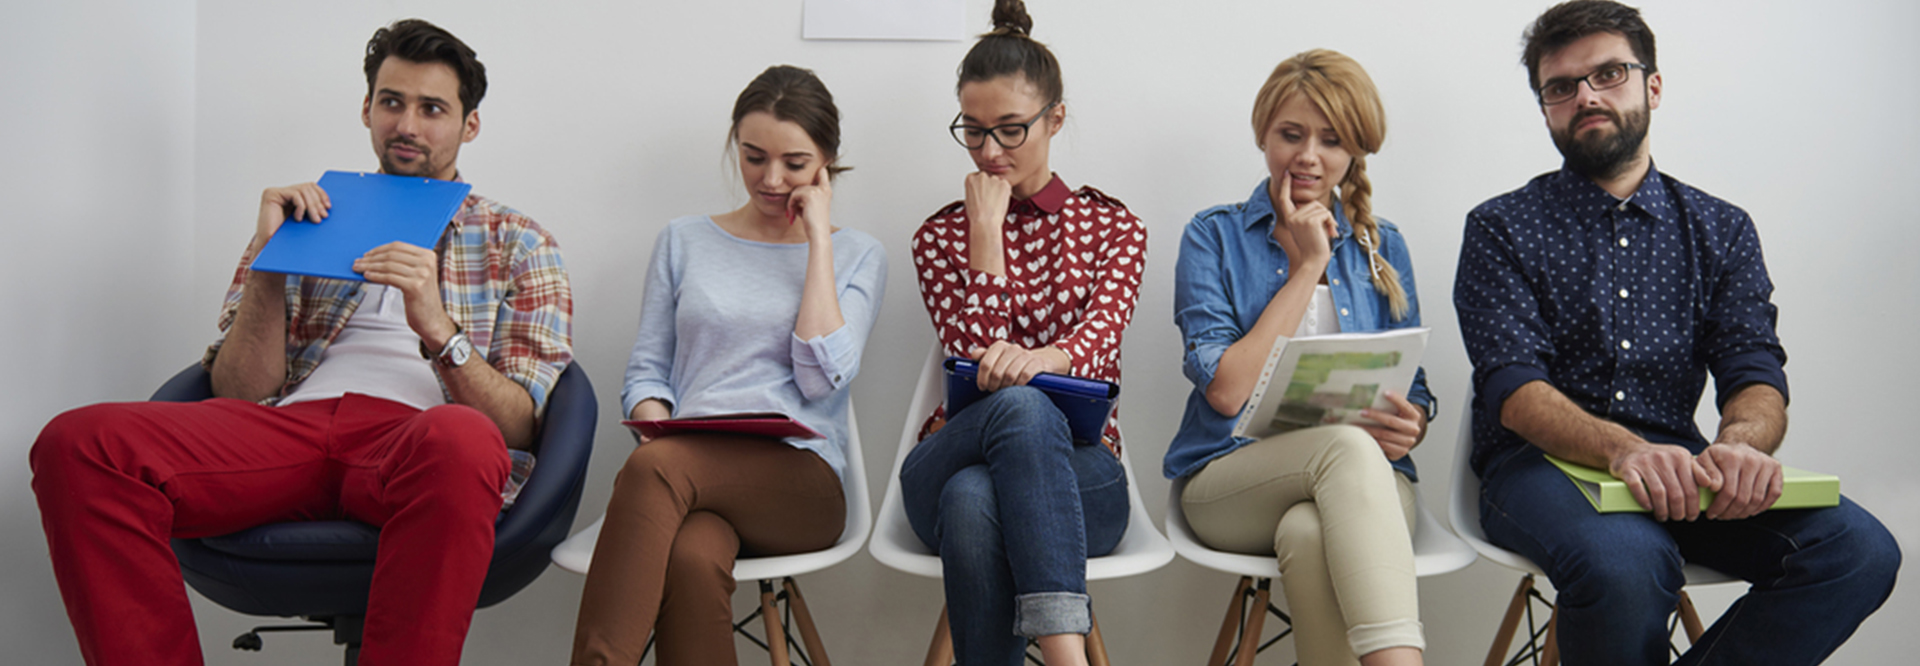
(393, 402)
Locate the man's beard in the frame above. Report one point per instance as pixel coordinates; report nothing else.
(1601, 155)
(421, 166)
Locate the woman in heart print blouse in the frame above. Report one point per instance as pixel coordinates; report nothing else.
(1026, 276)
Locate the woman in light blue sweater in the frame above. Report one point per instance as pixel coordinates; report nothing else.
(762, 309)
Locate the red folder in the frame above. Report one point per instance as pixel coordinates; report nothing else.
(764, 424)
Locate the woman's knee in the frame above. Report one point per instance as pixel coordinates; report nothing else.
(1298, 539)
(969, 512)
(1028, 410)
(703, 554)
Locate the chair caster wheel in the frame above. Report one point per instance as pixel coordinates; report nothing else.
(249, 641)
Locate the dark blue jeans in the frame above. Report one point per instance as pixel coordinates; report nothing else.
(1815, 573)
(1014, 509)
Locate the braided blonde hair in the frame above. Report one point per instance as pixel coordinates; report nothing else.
(1343, 91)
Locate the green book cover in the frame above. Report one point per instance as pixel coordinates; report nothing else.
(1801, 489)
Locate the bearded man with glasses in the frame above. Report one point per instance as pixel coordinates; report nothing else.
(1594, 301)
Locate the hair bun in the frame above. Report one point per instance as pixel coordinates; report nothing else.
(1010, 18)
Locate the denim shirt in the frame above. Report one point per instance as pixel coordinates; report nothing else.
(1229, 269)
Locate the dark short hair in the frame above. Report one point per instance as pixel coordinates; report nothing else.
(1568, 22)
(419, 41)
(1009, 50)
(794, 95)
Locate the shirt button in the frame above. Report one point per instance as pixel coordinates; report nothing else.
(1335, 282)
(1623, 241)
(1626, 344)
(1619, 395)
(1280, 271)
(1343, 312)
(836, 379)
(1623, 205)
(1623, 293)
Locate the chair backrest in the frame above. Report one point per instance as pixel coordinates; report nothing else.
(540, 518)
(894, 543)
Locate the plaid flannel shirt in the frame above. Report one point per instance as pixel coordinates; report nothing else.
(500, 277)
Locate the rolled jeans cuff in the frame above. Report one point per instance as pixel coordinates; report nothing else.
(1049, 613)
(1370, 638)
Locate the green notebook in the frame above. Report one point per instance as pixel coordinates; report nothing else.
(1801, 490)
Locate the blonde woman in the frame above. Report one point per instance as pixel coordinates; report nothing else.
(1302, 256)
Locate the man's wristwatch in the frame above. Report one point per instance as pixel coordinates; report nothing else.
(454, 354)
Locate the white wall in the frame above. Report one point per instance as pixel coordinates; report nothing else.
(606, 119)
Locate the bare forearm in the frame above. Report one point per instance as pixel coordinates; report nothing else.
(985, 251)
(1755, 416)
(1544, 416)
(819, 303)
(1239, 368)
(252, 363)
(478, 385)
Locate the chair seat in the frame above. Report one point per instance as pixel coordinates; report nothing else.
(317, 541)
(575, 554)
(1141, 548)
(1435, 550)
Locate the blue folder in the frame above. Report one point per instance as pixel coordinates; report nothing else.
(1085, 402)
(369, 210)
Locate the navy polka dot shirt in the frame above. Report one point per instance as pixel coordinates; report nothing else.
(1622, 305)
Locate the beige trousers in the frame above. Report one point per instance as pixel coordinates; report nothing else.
(1325, 501)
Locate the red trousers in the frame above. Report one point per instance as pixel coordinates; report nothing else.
(116, 481)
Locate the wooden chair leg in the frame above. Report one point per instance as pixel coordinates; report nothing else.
(1256, 621)
(1236, 612)
(1096, 646)
(1503, 639)
(1690, 619)
(809, 636)
(776, 636)
(940, 652)
(1550, 653)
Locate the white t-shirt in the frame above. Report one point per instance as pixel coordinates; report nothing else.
(1320, 318)
(377, 354)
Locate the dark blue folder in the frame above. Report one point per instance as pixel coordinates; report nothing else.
(369, 210)
(1085, 402)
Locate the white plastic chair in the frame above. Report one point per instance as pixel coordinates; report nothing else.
(1435, 551)
(1141, 550)
(1464, 512)
(576, 555)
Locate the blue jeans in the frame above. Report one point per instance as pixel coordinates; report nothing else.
(1014, 509)
(1815, 573)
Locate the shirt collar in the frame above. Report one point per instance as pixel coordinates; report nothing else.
(1589, 199)
(1260, 210)
(1049, 199)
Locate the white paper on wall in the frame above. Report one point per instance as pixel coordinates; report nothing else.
(935, 20)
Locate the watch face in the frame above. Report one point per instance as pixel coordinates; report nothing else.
(458, 350)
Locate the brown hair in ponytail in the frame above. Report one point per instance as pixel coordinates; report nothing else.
(1343, 91)
(1008, 49)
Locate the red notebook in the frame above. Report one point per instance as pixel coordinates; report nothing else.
(765, 424)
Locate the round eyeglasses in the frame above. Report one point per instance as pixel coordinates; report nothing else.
(1009, 136)
(1604, 78)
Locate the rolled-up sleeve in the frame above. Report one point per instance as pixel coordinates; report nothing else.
(650, 365)
(1740, 345)
(1506, 338)
(827, 363)
(1201, 303)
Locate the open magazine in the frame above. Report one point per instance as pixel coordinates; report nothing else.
(1328, 379)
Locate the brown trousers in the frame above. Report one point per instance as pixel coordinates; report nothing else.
(683, 507)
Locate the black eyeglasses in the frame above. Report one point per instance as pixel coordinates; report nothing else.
(1009, 136)
(1607, 77)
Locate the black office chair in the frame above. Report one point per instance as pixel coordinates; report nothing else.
(322, 570)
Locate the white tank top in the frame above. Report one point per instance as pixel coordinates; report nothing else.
(377, 354)
(1320, 318)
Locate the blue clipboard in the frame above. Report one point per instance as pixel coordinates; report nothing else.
(1085, 402)
(369, 210)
